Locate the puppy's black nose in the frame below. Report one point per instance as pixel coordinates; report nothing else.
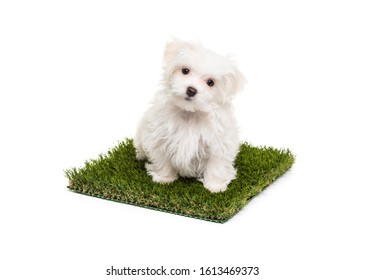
(190, 91)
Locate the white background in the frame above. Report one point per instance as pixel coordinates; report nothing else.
(75, 77)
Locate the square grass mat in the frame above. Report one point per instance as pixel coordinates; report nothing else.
(118, 176)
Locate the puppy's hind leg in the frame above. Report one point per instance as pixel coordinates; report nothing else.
(137, 143)
(140, 154)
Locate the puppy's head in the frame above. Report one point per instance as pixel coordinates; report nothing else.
(198, 79)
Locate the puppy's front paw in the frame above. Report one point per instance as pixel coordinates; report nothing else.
(161, 176)
(158, 178)
(216, 178)
(215, 186)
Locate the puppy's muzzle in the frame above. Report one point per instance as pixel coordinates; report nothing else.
(190, 91)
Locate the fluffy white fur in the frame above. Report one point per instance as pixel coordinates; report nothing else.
(189, 129)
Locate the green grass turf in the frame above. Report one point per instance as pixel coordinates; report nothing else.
(118, 176)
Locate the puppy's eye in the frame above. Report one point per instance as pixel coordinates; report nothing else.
(210, 82)
(185, 71)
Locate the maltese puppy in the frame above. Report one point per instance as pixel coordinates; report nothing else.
(189, 129)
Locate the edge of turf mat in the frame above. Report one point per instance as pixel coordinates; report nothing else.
(118, 176)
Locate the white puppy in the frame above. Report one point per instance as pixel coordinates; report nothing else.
(190, 129)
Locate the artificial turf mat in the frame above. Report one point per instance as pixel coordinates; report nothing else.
(118, 176)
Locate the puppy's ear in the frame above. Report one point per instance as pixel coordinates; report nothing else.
(175, 51)
(172, 50)
(234, 82)
(174, 47)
